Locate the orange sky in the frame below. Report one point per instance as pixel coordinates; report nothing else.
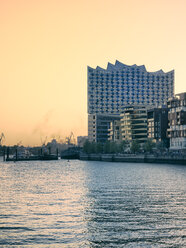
(46, 46)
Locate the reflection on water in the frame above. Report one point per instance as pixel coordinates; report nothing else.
(92, 204)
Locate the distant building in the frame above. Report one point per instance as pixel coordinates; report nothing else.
(177, 122)
(54, 145)
(157, 123)
(81, 140)
(109, 90)
(134, 123)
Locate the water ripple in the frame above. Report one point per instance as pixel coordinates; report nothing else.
(92, 204)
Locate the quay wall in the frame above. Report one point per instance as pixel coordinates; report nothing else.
(134, 158)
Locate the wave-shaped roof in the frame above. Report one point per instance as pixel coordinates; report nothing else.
(118, 66)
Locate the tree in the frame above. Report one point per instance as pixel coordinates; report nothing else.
(93, 147)
(161, 146)
(123, 146)
(148, 145)
(106, 147)
(99, 148)
(135, 146)
(113, 147)
(87, 147)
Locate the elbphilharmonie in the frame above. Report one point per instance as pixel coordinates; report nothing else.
(119, 85)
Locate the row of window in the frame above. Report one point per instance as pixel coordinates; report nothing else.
(130, 73)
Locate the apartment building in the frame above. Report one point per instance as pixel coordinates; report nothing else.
(157, 124)
(177, 122)
(134, 123)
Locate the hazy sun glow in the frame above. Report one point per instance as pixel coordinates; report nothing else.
(46, 46)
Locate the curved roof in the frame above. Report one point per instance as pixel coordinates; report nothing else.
(118, 66)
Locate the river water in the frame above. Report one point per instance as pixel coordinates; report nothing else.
(92, 204)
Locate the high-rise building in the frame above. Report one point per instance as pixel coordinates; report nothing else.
(109, 90)
(119, 85)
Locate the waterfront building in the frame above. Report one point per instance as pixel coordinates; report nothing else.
(119, 85)
(157, 124)
(134, 123)
(177, 122)
(115, 131)
(98, 127)
(109, 90)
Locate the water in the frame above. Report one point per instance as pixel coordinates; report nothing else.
(92, 204)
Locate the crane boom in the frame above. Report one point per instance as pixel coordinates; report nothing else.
(2, 137)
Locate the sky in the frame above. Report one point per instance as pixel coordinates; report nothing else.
(46, 46)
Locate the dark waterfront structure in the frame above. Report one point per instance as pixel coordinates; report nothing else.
(177, 122)
(140, 158)
(109, 90)
(71, 153)
(157, 123)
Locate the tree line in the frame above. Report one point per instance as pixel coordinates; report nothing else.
(111, 147)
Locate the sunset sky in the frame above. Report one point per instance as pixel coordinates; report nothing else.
(46, 46)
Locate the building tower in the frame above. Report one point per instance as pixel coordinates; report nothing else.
(109, 90)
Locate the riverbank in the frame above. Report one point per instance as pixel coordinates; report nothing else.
(132, 158)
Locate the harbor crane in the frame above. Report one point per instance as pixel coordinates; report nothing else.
(2, 138)
(70, 140)
(43, 142)
(19, 143)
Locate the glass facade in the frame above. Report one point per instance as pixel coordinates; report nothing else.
(109, 90)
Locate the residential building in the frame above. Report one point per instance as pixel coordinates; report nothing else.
(134, 123)
(115, 131)
(177, 122)
(157, 123)
(98, 127)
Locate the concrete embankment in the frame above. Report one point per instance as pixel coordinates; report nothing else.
(134, 158)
